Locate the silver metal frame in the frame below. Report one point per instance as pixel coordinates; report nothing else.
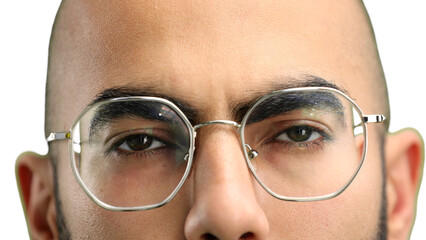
(378, 118)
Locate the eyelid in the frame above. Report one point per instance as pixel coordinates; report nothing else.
(157, 134)
(322, 130)
(312, 129)
(124, 140)
(280, 125)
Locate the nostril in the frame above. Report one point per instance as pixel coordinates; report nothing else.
(247, 236)
(209, 236)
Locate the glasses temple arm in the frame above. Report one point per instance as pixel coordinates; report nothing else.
(58, 136)
(377, 118)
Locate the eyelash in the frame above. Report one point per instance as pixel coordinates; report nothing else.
(144, 153)
(309, 146)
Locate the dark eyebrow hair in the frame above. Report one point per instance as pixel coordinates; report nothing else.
(282, 103)
(145, 109)
(241, 108)
(117, 92)
(238, 109)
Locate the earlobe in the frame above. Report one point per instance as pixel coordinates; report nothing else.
(404, 161)
(35, 182)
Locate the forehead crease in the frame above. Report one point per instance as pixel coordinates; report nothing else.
(117, 30)
(119, 33)
(155, 17)
(123, 34)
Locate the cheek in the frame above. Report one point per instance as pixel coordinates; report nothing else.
(86, 220)
(353, 214)
(81, 215)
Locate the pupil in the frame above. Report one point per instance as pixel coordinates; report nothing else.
(299, 133)
(139, 142)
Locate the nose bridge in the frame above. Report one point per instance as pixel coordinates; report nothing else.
(225, 204)
(252, 153)
(226, 122)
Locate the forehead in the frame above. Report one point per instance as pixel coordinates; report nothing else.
(210, 53)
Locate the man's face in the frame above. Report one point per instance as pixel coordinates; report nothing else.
(212, 56)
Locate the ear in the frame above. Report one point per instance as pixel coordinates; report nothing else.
(404, 164)
(35, 182)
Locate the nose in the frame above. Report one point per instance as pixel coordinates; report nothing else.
(224, 200)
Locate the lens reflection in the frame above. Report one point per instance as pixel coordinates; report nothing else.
(305, 142)
(132, 153)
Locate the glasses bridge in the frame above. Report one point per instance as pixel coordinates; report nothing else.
(226, 122)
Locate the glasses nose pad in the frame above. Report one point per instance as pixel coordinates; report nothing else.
(251, 152)
(252, 155)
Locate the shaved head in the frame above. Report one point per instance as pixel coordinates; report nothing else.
(99, 38)
(215, 55)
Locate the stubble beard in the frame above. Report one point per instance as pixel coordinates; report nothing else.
(65, 234)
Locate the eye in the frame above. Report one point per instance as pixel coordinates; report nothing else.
(139, 143)
(300, 134)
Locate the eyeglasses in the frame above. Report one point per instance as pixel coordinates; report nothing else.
(135, 153)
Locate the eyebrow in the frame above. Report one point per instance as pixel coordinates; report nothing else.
(117, 92)
(146, 109)
(282, 103)
(237, 109)
(285, 103)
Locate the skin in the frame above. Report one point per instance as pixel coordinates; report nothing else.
(214, 56)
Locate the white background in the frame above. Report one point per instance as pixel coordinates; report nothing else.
(25, 27)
